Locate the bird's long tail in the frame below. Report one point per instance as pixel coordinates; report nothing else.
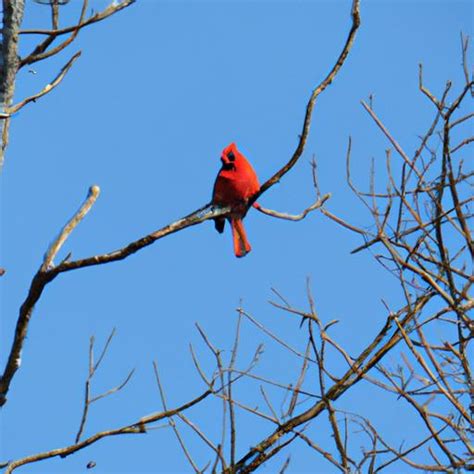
(241, 244)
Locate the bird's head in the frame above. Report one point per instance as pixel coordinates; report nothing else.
(230, 157)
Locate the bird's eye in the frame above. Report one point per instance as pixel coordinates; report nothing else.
(231, 156)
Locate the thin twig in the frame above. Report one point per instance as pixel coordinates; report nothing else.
(171, 421)
(48, 88)
(294, 217)
(99, 16)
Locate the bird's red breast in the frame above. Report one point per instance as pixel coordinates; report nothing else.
(236, 181)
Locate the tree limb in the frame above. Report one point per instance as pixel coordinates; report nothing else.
(9, 63)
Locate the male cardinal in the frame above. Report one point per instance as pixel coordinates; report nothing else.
(235, 184)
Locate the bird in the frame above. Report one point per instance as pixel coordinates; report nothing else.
(235, 184)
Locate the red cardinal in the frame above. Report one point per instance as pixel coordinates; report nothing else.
(235, 184)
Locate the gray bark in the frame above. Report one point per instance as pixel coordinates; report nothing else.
(9, 62)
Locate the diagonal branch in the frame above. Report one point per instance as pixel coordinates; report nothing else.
(110, 10)
(140, 426)
(309, 108)
(69, 227)
(48, 88)
(42, 277)
(197, 217)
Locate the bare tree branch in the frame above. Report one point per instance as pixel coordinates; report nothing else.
(309, 108)
(293, 217)
(48, 88)
(114, 7)
(140, 426)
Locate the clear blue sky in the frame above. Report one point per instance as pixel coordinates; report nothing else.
(159, 90)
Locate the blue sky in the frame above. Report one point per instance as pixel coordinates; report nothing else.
(160, 89)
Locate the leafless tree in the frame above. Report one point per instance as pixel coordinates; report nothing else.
(419, 231)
